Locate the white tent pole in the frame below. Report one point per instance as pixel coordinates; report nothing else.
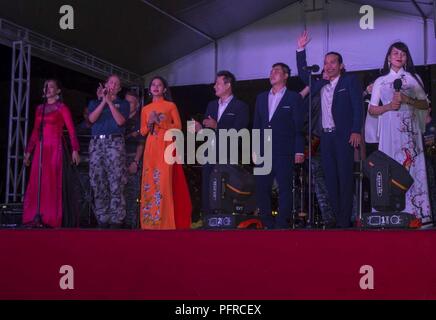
(424, 18)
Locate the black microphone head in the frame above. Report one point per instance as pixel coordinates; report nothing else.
(398, 84)
(313, 68)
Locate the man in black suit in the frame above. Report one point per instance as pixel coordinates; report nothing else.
(281, 111)
(227, 112)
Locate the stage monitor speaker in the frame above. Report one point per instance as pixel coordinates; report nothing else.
(388, 220)
(231, 190)
(389, 182)
(232, 221)
(11, 215)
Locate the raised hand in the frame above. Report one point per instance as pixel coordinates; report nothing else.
(303, 40)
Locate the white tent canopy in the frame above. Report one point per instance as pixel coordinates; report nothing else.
(333, 26)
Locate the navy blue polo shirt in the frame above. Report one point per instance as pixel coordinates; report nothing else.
(106, 124)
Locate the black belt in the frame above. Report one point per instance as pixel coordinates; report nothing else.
(107, 136)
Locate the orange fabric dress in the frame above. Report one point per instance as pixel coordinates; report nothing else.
(157, 194)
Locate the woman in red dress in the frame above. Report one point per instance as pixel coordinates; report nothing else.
(56, 116)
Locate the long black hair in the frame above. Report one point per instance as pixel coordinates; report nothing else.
(409, 66)
(167, 94)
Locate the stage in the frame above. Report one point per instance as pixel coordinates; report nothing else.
(224, 265)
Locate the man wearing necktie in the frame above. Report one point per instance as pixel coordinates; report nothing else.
(281, 111)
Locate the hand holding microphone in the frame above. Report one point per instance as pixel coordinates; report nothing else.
(398, 95)
(396, 102)
(154, 118)
(151, 121)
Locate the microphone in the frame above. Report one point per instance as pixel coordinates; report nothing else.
(312, 68)
(398, 84)
(151, 128)
(44, 95)
(159, 118)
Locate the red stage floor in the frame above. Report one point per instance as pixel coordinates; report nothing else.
(247, 264)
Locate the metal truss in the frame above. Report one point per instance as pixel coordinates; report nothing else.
(18, 121)
(50, 49)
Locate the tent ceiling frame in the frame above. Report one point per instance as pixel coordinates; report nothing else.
(64, 54)
(418, 8)
(192, 28)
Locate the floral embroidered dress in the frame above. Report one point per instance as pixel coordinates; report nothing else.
(56, 116)
(158, 187)
(400, 137)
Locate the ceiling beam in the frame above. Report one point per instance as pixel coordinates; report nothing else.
(192, 28)
(183, 23)
(423, 15)
(64, 55)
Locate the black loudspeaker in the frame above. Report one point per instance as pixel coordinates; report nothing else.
(11, 215)
(231, 190)
(389, 182)
(388, 220)
(232, 221)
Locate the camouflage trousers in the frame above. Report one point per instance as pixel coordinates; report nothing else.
(322, 196)
(321, 191)
(132, 194)
(107, 172)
